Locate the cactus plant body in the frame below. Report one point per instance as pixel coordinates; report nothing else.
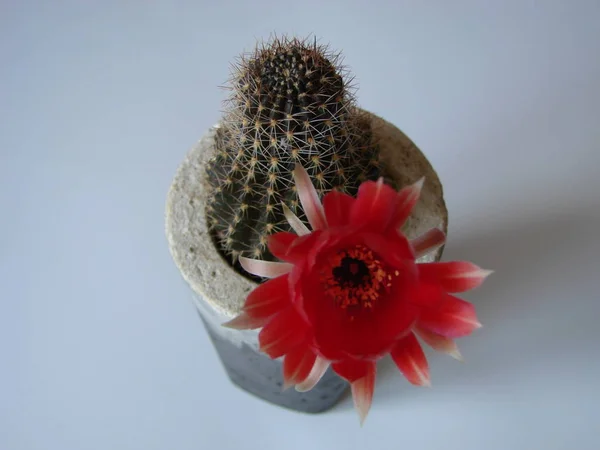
(291, 102)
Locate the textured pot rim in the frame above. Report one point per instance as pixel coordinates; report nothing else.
(219, 290)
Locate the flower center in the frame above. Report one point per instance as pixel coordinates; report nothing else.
(355, 277)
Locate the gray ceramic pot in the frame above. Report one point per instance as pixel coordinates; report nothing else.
(219, 292)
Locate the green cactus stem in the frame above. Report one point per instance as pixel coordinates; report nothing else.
(291, 102)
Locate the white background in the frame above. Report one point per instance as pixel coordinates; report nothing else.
(100, 346)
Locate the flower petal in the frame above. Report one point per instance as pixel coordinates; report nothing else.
(393, 248)
(362, 392)
(305, 248)
(282, 333)
(297, 365)
(357, 331)
(245, 322)
(337, 206)
(352, 369)
(316, 373)
(267, 269)
(407, 199)
(454, 318)
(427, 242)
(280, 242)
(294, 221)
(428, 296)
(454, 276)
(309, 199)
(410, 359)
(439, 342)
(374, 206)
(268, 298)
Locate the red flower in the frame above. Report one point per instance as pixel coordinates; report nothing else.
(350, 292)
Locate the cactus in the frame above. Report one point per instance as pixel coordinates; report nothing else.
(291, 102)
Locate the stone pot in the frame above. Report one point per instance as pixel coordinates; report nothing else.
(218, 291)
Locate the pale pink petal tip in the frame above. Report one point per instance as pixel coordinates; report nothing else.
(440, 343)
(244, 322)
(428, 242)
(453, 352)
(313, 208)
(478, 277)
(294, 221)
(424, 381)
(319, 368)
(267, 269)
(362, 395)
(474, 272)
(456, 354)
(484, 273)
(412, 362)
(414, 191)
(418, 185)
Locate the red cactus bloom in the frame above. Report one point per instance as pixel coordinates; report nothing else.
(350, 292)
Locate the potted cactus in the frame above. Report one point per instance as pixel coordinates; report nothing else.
(291, 113)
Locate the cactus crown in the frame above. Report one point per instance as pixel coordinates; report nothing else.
(290, 103)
